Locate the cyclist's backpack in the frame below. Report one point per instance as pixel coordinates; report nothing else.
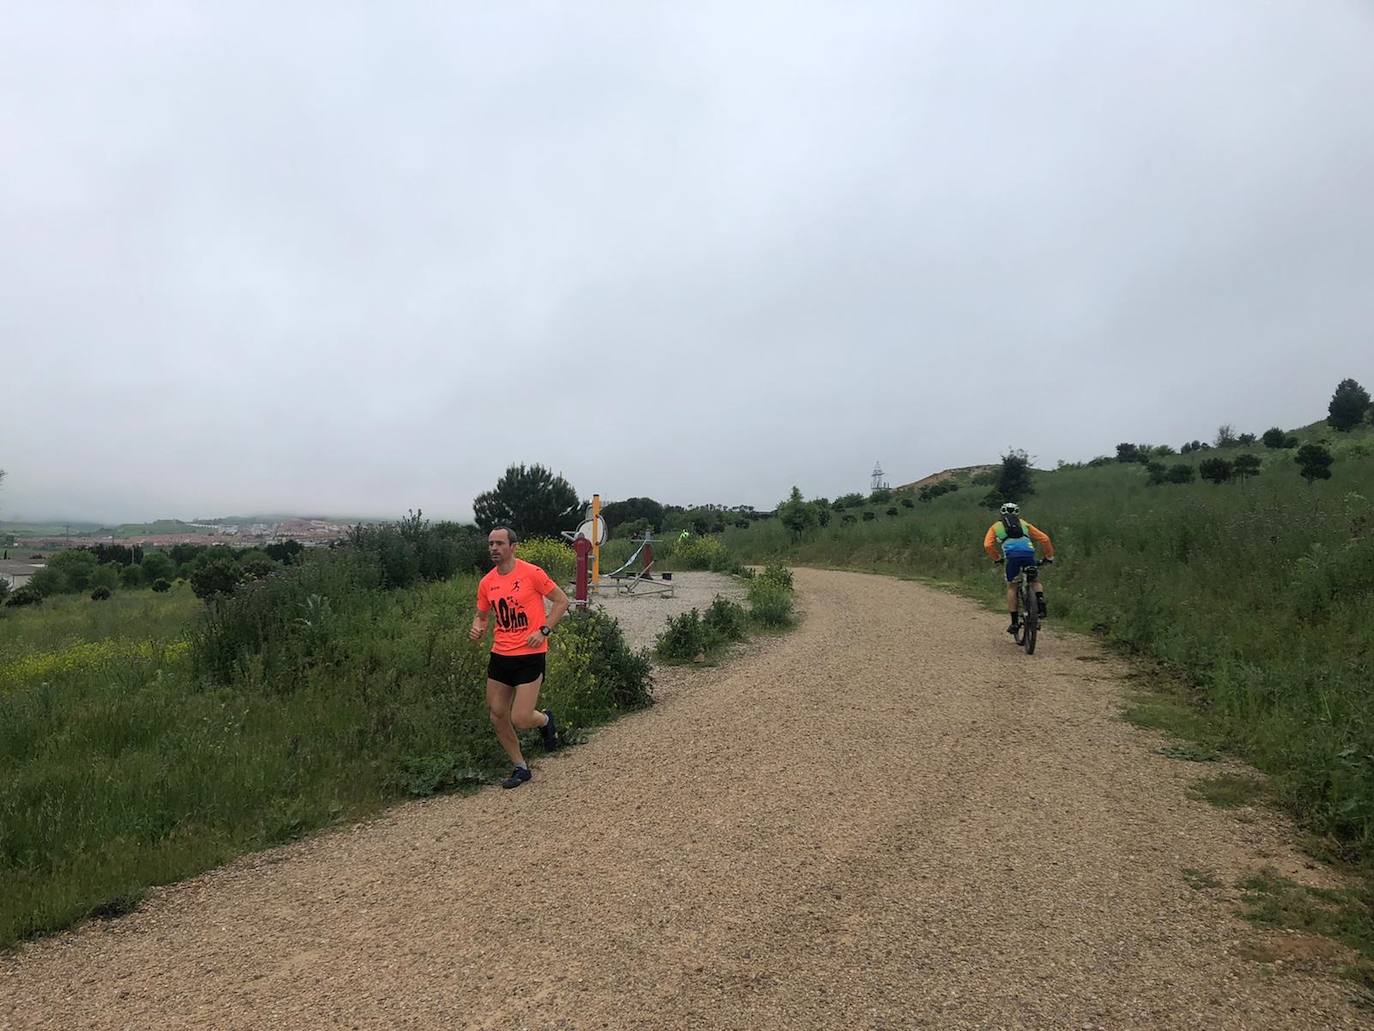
(1013, 525)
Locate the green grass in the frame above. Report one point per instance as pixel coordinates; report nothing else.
(1255, 599)
(65, 620)
(1228, 790)
(125, 764)
(1274, 901)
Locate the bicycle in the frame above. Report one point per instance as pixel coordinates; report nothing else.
(1025, 602)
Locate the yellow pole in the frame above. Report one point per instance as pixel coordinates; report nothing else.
(596, 539)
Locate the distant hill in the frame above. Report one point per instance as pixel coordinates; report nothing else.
(963, 474)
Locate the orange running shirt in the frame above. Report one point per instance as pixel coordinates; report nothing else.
(517, 603)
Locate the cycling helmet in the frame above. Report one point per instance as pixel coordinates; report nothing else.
(1011, 508)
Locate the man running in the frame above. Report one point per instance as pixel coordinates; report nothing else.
(515, 590)
(1013, 539)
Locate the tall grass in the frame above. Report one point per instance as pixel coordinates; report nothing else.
(1260, 593)
(311, 697)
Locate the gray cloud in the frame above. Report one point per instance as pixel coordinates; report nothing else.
(342, 260)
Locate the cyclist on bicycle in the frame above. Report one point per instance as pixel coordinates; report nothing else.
(1013, 539)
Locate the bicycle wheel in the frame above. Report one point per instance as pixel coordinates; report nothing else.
(1030, 617)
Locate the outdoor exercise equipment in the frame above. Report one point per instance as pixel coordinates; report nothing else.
(586, 542)
(641, 581)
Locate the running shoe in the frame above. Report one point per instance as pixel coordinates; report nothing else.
(550, 732)
(517, 777)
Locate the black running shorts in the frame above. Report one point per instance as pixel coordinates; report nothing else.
(514, 670)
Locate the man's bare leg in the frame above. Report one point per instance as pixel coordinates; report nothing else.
(523, 714)
(499, 698)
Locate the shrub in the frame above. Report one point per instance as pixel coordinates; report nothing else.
(101, 593)
(685, 639)
(1157, 473)
(1247, 466)
(1246, 440)
(893, 510)
(1217, 470)
(131, 576)
(1275, 438)
(727, 619)
(780, 575)
(216, 578)
(1226, 435)
(848, 519)
(555, 557)
(770, 602)
(992, 499)
(869, 516)
(25, 595)
(162, 584)
(623, 674)
(1181, 472)
(796, 514)
(1014, 480)
(908, 503)
(1315, 462)
(704, 553)
(283, 623)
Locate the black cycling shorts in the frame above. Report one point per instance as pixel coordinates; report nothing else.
(514, 670)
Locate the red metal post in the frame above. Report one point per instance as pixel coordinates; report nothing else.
(583, 549)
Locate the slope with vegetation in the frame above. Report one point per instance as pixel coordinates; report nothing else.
(1246, 568)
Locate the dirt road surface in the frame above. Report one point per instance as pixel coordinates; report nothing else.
(890, 818)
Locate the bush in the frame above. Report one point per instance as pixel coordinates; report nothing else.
(893, 511)
(1014, 480)
(162, 584)
(1315, 462)
(1217, 470)
(1247, 466)
(555, 557)
(216, 579)
(25, 595)
(779, 575)
(1181, 472)
(685, 639)
(869, 516)
(908, 503)
(101, 593)
(770, 602)
(1158, 473)
(282, 624)
(993, 499)
(727, 619)
(704, 553)
(623, 674)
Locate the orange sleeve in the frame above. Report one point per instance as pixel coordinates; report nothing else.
(1041, 538)
(990, 542)
(483, 605)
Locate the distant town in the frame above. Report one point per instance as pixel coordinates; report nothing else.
(168, 532)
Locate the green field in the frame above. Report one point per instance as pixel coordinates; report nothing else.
(147, 737)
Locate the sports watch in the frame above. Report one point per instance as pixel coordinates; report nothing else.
(546, 630)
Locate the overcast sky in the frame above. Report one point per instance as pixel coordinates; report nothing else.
(357, 258)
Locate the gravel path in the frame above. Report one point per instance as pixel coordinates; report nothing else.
(849, 827)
